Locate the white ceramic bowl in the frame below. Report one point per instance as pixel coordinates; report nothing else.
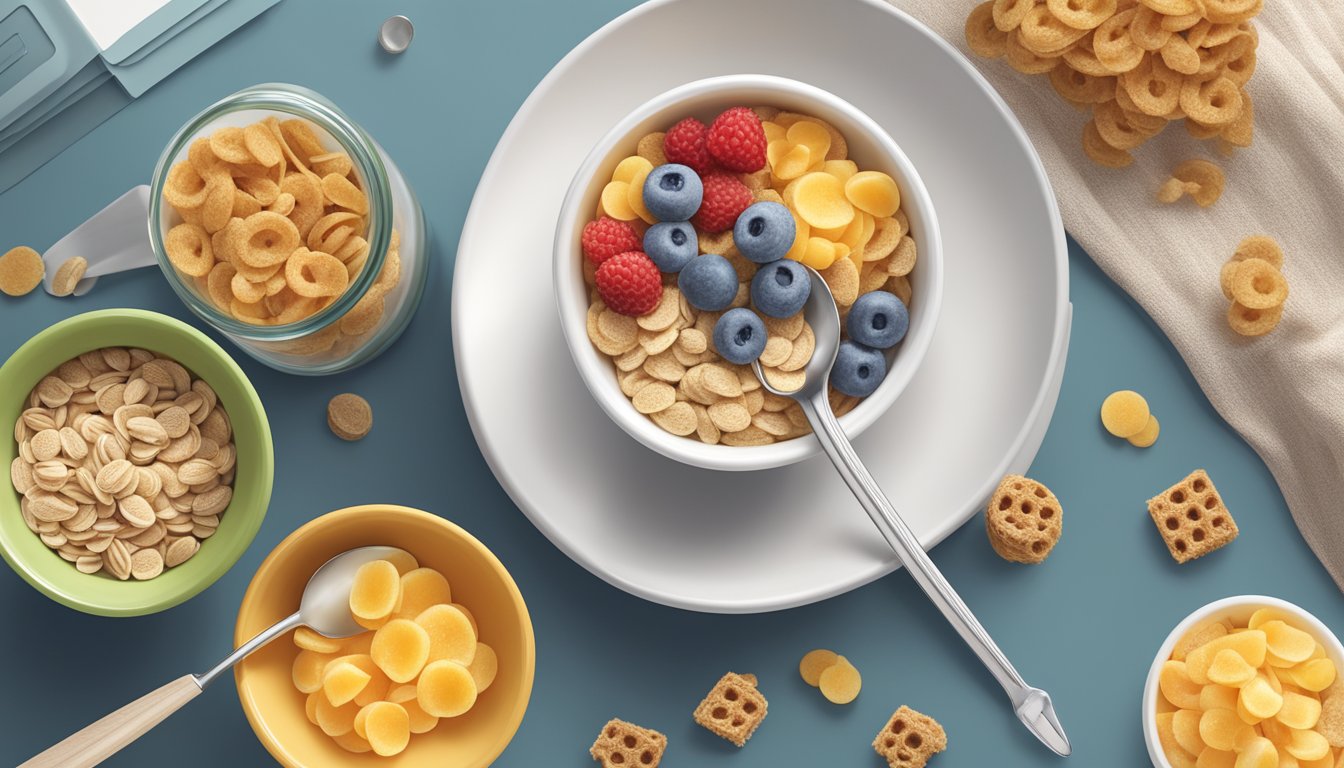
(869, 146)
(1238, 609)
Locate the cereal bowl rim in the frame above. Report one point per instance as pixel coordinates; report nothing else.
(571, 294)
(387, 514)
(36, 564)
(1237, 603)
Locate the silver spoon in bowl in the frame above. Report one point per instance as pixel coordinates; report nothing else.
(1032, 705)
(324, 608)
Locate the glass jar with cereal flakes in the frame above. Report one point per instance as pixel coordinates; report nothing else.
(284, 225)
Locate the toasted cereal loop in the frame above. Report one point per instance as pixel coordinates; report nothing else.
(1200, 179)
(1191, 518)
(982, 35)
(1146, 436)
(1124, 413)
(68, 276)
(733, 709)
(1257, 284)
(1095, 147)
(349, 416)
(400, 649)
(909, 739)
(21, 270)
(266, 239)
(621, 744)
(315, 274)
(375, 591)
(1253, 322)
(188, 248)
(1261, 247)
(1024, 520)
(445, 689)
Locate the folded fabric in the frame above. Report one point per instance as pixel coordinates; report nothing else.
(1283, 392)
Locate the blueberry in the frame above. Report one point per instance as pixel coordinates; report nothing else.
(708, 282)
(673, 192)
(858, 369)
(764, 232)
(878, 320)
(671, 244)
(739, 336)
(780, 288)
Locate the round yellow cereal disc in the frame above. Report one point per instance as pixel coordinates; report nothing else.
(819, 199)
(349, 416)
(400, 648)
(1261, 247)
(631, 168)
(1124, 413)
(811, 134)
(189, 250)
(1148, 435)
(1258, 285)
(449, 634)
(840, 683)
(1249, 321)
(387, 727)
(814, 663)
(483, 667)
(68, 275)
(375, 591)
(445, 689)
(21, 270)
(873, 192)
(616, 201)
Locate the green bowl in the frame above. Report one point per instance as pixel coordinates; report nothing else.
(96, 593)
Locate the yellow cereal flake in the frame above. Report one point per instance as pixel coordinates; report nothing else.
(840, 683)
(1148, 435)
(376, 590)
(445, 689)
(1124, 413)
(814, 663)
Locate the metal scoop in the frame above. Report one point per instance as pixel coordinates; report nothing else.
(1032, 705)
(324, 608)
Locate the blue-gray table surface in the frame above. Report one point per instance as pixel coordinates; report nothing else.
(1084, 625)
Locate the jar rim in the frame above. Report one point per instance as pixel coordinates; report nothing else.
(309, 105)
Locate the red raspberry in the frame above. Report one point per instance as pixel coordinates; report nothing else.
(606, 237)
(726, 197)
(630, 283)
(737, 141)
(685, 143)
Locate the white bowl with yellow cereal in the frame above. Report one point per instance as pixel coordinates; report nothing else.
(1246, 681)
(663, 330)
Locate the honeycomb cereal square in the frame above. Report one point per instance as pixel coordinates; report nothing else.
(626, 744)
(1191, 518)
(909, 739)
(733, 708)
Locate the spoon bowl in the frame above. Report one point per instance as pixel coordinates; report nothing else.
(823, 315)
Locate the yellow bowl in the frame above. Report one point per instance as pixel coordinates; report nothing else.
(479, 581)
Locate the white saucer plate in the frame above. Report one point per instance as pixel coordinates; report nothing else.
(749, 542)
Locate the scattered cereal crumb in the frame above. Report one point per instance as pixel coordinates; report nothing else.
(1024, 520)
(21, 270)
(349, 416)
(1253, 281)
(626, 744)
(909, 739)
(733, 708)
(68, 276)
(1191, 518)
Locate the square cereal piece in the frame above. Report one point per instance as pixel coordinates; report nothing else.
(733, 708)
(909, 739)
(1191, 517)
(626, 745)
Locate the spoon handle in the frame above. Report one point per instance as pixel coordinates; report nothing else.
(902, 540)
(104, 738)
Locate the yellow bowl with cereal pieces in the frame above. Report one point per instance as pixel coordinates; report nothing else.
(869, 147)
(254, 470)
(1202, 672)
(478, 580)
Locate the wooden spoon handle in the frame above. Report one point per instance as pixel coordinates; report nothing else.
(104, 738)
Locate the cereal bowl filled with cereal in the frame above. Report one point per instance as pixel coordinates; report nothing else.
(681, 255)
(283, 224)
(443, 675)
(1247, 680)
(140, 465)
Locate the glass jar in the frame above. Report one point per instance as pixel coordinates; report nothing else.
(348, 329)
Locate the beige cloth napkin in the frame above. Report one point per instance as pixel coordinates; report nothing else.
(1283, 392)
